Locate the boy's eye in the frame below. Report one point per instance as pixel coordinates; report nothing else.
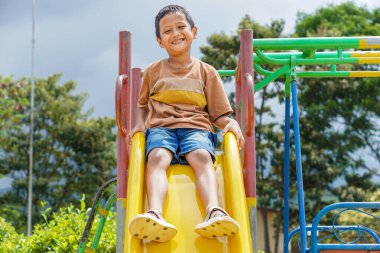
(182, 27)
(167, 31)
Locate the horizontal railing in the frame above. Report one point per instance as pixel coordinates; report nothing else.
(317, 43)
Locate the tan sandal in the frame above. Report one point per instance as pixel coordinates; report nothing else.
(151, 226)
(217, 226)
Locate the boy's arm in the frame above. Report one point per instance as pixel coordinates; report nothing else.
(230, 125)
(140, 123)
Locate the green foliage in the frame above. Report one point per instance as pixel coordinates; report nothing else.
(60, 234)
(73, 154)
(13, 100)
(222, 49)
(8, 235)
(345, 124)
(346, 19)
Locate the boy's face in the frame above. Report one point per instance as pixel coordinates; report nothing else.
(176, 34)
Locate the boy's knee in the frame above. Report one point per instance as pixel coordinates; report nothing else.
(160, 155)
(201, 155)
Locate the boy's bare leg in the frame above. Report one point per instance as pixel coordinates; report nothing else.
(157, 183)
(151, 225)
(205, 177)
(217, 222)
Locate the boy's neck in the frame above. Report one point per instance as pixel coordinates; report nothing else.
(180, 61)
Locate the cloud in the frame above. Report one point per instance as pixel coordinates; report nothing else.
(79, 38)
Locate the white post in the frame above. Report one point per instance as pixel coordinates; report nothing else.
(31, 130)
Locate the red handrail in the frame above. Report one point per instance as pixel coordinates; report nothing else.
(120, 82)
(251, 109)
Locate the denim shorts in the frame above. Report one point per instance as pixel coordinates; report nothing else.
(180, 141)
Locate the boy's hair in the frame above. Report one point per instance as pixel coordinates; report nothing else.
(170, 9)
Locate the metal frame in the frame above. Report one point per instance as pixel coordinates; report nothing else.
(96, 208)
(288, 62)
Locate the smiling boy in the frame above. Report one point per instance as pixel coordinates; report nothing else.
(180, 100)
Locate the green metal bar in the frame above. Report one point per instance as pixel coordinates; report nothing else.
(328, 74)
(82, 247)
(309, 53)
(269, 60)
(338, 53)
(271, 78)
(94, 209)
(287, 85)
(316, 74)
(323, 74)
(261, 70)
(309, 56)
(299, 55)
(99, 229)
(327, 61)
(316, 43)
(315, 61)
(226, 72)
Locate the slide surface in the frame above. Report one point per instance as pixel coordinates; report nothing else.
(183, 207)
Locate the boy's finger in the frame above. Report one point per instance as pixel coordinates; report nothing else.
(225, 130)
(130, 134)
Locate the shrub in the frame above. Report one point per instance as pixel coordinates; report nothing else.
(61, 234)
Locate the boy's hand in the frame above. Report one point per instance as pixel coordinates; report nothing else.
(138, 128)
(234, 127)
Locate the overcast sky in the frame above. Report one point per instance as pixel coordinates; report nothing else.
(79, 38)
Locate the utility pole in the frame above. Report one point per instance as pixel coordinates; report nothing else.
(31, 129)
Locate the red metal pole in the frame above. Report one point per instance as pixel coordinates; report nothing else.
(124, 52)
(135, 90)
(122, 146)
(122, 96)
(246, 76)
(237, 95)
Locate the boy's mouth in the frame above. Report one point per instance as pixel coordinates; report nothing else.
(177, 41)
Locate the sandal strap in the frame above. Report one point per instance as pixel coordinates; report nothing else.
(213, 209)
(156, 213)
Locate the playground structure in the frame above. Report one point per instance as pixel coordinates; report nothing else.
(238, 181)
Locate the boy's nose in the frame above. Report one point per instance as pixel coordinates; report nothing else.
(175, 32)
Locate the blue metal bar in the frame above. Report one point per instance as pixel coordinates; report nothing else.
(313, 242)
(286, 174)
(369, 247)
(372, 233)
(297, 142)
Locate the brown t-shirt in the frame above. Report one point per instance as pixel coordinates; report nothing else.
(188, 97)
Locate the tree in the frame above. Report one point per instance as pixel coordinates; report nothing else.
(222, 54)
(344, 129)
(73, 154)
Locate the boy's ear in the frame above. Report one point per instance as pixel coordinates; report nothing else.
(195, 32)
(159, 42)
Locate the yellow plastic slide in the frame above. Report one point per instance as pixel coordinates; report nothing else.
(183, 207)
